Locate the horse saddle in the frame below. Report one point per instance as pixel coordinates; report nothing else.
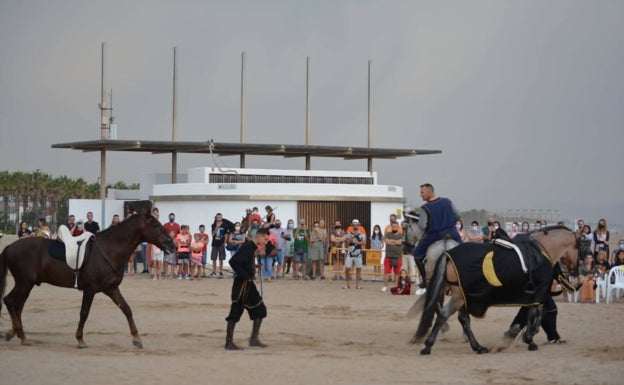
(75, 247)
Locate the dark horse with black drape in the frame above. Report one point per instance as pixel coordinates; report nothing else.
(33, 261)
(483, 275)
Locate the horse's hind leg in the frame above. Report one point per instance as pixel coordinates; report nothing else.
(464, 319)
(533, 325)
(115, 295)
(87, 300)
(14, 302)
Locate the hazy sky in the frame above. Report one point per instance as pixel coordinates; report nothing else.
(524, 98)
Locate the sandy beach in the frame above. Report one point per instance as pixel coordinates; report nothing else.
(317, 333)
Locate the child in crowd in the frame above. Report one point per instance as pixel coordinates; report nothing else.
(170, 259)
(183, 240)
(403, 286)
(157, 259)
(196, 256)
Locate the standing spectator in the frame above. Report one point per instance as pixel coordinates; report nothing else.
(172, 225)
(282, 235)
(235, 239)
(270, 217)
(459, 226)
(356, 240)
(579, 227)
(71, 223)
(289, 248)
(300, 260)
(157, 260)
(255, 216)
(514, 230)
(475, 233)
(356, 223)
(170, 259)
(24, 231)
(197, 248)
(377, 244)
(317, 250)
(114, 221)
(338, 238)
(601, 237)
(90, 225)
(326, 240)
(524, 228)
(586, 240)
(219, 233)
(403, 287)
(184, 252)
(392, 261)
(204, 238)
(408, 261)
(393, 218)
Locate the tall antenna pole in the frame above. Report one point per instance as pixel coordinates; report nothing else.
(174, 120)
(370, 131)
(103, 135)
(307, 159)
(242, 109)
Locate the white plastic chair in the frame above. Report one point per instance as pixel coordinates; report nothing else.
(573, 297)
(616, 274)
(601, 288)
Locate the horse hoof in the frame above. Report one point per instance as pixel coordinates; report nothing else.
(138, 344)
(9, 336)
(533, 346)
(425, 351)
(85, 346)
(26, 343)
(482, 350)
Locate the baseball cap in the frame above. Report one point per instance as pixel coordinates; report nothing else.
(355, 222)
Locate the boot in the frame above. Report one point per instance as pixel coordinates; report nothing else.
(229, 337)
(254, 340)
(422, 272)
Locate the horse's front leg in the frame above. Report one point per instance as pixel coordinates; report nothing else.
(464, 319)
(443, 315)
(533, 325)
(85, 308)
(115, 295)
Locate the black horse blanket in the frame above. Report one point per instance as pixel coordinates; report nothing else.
(491, 275)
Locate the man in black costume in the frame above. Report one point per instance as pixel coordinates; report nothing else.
(244, 292)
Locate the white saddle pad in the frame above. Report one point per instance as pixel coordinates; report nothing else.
(75, 247)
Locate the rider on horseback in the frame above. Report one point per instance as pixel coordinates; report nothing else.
(437, 219)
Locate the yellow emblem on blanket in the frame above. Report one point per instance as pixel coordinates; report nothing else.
(488, 270)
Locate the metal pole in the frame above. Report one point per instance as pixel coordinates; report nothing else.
(174, 120)
(242, 109)
(307, 110)
(104, 135)
(370, 131)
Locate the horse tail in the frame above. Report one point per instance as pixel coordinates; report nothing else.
(3, 273)
(434, 292)
(417, 307)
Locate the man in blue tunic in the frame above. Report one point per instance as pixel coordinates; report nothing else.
(437, 217)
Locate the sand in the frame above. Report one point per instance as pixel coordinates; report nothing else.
(317, 334)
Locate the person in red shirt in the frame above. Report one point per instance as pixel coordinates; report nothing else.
(172, 225)
(78, 229)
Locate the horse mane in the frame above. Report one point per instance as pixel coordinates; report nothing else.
(107, 230)
(546, 229)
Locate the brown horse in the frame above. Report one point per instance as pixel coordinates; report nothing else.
(484, 275)
(30, 262)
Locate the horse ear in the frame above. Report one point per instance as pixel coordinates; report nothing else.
(140, 207)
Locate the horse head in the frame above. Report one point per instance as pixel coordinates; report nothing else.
(151, 230)
(561, 244)
(412, 230)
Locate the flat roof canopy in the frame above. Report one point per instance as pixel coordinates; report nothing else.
(225, 149)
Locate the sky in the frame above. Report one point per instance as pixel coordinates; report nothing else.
(525, 99)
